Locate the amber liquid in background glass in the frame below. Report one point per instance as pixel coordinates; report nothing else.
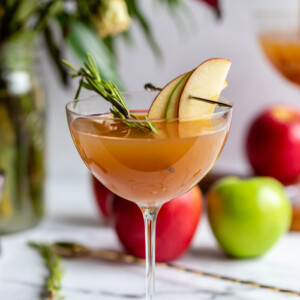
(149, 169)
(283, 50)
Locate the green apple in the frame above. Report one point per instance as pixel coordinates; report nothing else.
(248, 216)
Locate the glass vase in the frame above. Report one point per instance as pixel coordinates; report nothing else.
(22, 138)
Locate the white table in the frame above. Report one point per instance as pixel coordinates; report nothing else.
(73, 216)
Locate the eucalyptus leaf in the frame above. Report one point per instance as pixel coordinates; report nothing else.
(83, 39)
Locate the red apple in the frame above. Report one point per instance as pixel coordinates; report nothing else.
(273, 143)
(104, 198)
(176, 225)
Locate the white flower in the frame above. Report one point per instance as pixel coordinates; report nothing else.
(112, 18)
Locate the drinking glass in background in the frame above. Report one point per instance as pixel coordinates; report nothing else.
(279, 37)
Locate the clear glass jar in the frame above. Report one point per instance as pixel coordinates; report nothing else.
(22, 137)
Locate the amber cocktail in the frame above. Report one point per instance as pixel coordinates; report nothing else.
(283, 50)
(147, 168)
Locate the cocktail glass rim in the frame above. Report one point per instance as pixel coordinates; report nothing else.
(107, 116)
(275, 20)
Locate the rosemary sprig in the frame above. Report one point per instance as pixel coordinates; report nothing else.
(53, 264)
(90, 79)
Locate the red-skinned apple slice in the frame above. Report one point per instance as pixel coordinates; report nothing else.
(206, 81)
(159, 105)
(172, 105)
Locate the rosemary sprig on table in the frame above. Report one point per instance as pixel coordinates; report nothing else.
(75, 250)
(53, 264)
(90, 79)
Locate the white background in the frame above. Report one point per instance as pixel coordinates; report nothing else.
(253, 83)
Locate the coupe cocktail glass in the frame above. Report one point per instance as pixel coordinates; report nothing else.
(148, 169)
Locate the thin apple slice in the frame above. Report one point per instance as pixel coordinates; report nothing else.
(172, 105)
(206, 81)
(159, 104)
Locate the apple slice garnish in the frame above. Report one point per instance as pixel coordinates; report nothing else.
(172, 104)
(206, 81)
(159, 104)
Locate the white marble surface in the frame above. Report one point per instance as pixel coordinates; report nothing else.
(72, 216)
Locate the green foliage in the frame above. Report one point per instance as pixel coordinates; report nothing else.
(135, 11)
(78, 28)
(98, 49)
(55, 53)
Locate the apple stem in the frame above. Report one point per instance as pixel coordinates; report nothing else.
(150, 215)
(151, 87)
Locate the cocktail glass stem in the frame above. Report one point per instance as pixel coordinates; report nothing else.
(150, 215)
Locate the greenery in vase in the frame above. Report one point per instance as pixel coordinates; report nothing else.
(21, 140)
(82, 26)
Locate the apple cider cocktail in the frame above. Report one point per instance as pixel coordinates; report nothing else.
(149, 169)
(152, 147)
